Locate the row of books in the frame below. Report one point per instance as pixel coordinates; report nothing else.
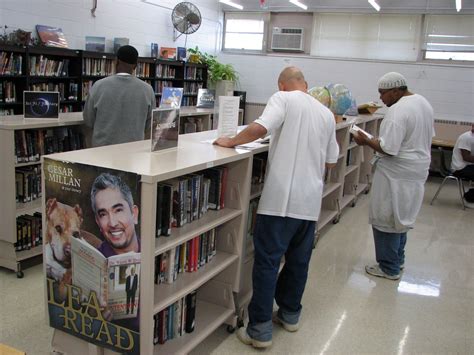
(187, 257)
(30, 145)
(43, 66)
(191, 124)
(98, 66)
(259, 166)
(28, 183)
(6, 112)
(11, 64)
(192, 88)
(189, 101)
(7, 92)
(175, 320)
(159, 85)
(252, 216)
(165, 71)
(143, 69)
(66, 91)
(28, 232)
(187, 198)
(193, 73)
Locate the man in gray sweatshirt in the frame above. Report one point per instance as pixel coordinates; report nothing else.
(118, 108)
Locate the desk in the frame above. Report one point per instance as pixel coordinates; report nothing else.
(443, 143)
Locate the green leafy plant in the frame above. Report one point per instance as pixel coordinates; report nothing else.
(215, 69)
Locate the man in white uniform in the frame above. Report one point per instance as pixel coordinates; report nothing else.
(303, 141)
(462, 163)
(404, 154)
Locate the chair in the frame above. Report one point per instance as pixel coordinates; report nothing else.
(449, 176)
(458, 180)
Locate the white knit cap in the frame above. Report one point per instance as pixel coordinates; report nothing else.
(392, 80)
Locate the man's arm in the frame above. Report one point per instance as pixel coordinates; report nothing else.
(89, 112)
(249, 134)
(374, 143)
(466, 155)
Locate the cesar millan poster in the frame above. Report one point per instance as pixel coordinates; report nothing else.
(92, 253)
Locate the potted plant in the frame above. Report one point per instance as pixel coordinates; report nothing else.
(217, 72)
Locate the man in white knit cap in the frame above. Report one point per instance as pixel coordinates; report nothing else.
(403, 155)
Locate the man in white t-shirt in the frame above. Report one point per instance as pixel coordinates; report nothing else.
(303, 142)
(404, 154)
(462, 163)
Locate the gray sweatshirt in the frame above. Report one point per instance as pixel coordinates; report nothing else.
(118, 109)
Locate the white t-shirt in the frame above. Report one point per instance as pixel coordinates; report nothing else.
(408, 128)
(466, 142)
(303, 139)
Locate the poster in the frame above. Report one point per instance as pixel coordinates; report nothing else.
(92, 253)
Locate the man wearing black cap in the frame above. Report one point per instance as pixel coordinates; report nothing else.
(118, 108)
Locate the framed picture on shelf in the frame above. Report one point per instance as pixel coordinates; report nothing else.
(41, 104)
(51, 36)
(181, 53)
(205, 98)
(171, 97)
(119, 42)
(164, 128)
(168, 53)
(154, 50)
(95, 44)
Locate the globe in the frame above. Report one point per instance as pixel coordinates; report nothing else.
(341, 98)
(321, 94)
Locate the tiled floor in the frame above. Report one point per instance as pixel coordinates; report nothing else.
(429, 310)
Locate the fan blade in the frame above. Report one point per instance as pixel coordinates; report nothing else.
(181, 26)
(193, 18)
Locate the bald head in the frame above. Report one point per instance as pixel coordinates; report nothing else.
(291, 78)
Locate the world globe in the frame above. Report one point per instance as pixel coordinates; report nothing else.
(321, 94)
(341, 98)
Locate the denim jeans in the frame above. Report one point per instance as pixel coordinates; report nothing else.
(274, 237)
(389, 250)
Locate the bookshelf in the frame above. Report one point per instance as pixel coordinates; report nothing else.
(73, 72)
(11, 130)
(215, 282)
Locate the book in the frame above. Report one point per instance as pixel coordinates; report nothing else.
(181, 52)
(154, 50)
(368, 108)
(171, 97)
(356, 129)
(164, 128)
(51, 36)
(95, 44)
(205, 98)
(119, 42)
(168, 53)
(107, 277)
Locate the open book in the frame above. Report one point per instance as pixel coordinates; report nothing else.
(110, 278)
(356, 129)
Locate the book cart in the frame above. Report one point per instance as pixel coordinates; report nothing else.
(20, 159)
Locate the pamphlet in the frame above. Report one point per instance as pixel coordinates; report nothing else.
(164, 128)
(355, 129)
(228, 116)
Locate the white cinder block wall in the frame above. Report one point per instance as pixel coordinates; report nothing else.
(140, 21)
(450, 89)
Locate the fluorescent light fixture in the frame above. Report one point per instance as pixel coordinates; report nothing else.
(458, 5)
(374, 5)
(233, 4)
(299, 4)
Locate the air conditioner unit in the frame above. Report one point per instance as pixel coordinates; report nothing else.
(287, 39)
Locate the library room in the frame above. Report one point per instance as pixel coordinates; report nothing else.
(236, 177)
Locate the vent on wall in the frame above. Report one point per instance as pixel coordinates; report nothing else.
(287, 39)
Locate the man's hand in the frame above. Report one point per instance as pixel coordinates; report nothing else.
(361, 138)
(224, 142)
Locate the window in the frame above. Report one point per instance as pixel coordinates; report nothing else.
(366, 36)
(244, 31)
(449, 37)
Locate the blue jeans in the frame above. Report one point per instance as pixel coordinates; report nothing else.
(389, 250)
(274, 237)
